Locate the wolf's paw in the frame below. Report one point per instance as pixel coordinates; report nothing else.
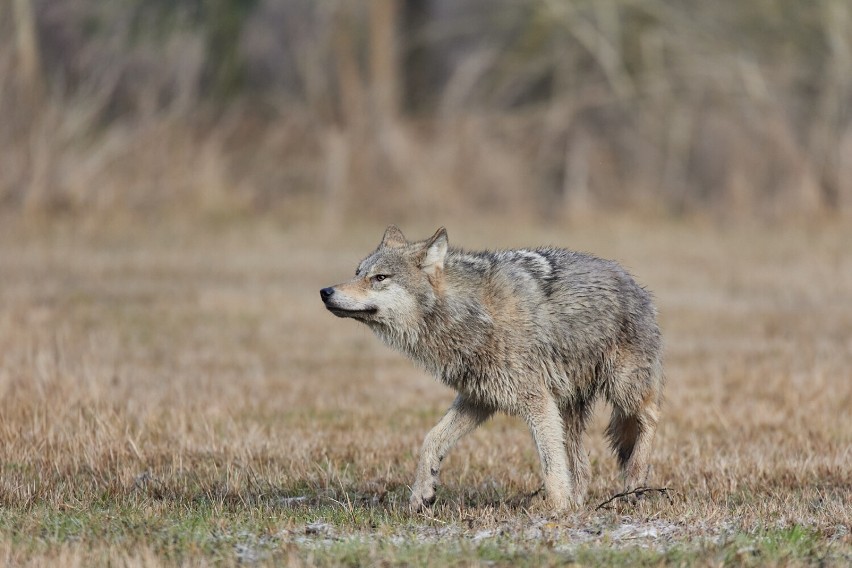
(559, 503)
(542, 503)
(422, 497)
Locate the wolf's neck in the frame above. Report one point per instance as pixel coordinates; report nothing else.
(449, 338)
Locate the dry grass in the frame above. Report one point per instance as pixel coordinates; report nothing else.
(181, 396)
(522, 106)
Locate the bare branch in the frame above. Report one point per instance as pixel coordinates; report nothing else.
(639, 491)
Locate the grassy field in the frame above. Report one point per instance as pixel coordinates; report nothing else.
(181, 396)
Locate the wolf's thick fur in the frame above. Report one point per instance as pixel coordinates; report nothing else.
(536, 333)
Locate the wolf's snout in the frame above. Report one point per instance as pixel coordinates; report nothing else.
(326, 293)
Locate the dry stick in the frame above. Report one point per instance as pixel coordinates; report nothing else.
(639, 491)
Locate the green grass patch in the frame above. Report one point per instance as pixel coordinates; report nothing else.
(334, 531)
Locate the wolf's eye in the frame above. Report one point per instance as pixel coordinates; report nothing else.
(380, 277)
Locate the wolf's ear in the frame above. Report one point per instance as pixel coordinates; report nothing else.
(434, 252)
(393, 238)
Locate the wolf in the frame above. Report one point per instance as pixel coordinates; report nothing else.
(536, 333)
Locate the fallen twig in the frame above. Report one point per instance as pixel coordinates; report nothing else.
(639, 491)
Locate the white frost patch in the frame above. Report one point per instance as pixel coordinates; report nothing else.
(482, 535)
(564, 534)
(567, 534)
(651, 531)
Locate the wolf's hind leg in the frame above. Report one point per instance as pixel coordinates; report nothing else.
(548, 431)
(635, 395)
(632, 436)
(462, 418)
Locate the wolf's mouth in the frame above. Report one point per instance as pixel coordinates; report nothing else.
(344, 313)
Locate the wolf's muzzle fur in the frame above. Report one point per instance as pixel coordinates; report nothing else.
(340, 310)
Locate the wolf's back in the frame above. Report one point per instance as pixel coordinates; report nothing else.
(566, 310)
(554, 287)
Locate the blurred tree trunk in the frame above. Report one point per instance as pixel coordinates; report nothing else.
(383, 58)
(29, 55)
(30, 82)
(225, 21)
(420, 63)
(833, 108)
(342, 134)
(352, 99)
(385, 81)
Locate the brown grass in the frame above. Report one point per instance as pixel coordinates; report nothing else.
(180, 395)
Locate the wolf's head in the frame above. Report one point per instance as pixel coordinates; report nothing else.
(394, 285)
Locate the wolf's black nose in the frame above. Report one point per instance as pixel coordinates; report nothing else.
(326, 293)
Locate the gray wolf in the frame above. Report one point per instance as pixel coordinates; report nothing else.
(536, 333)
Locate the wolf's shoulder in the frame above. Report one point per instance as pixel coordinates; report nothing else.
(543, 257)
(546, 264)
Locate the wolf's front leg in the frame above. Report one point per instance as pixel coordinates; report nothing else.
(545, 422)
(462, 418)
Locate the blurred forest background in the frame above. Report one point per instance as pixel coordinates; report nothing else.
(322, 110)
